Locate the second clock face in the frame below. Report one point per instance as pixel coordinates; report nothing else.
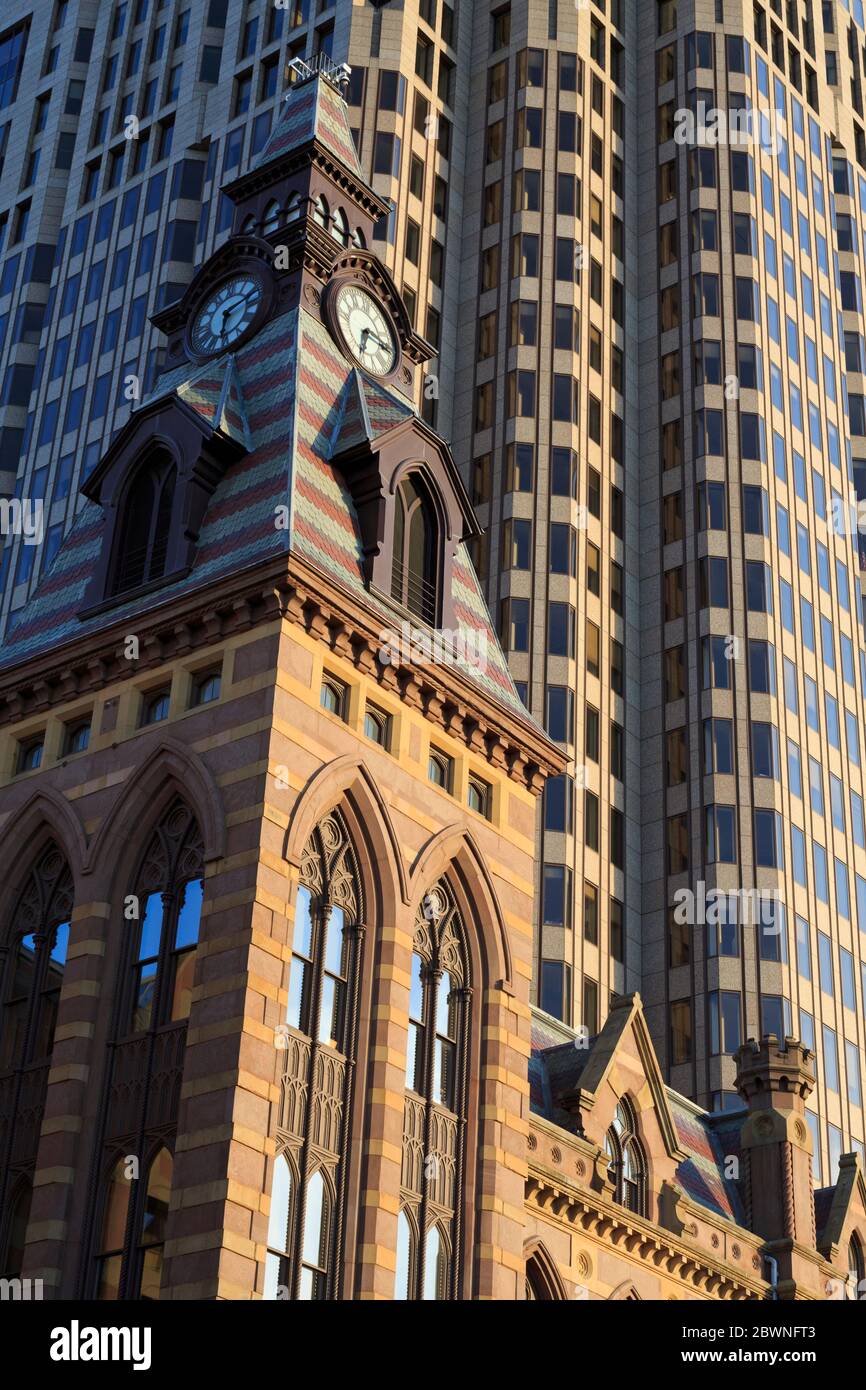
(366, 329)
(226, 314)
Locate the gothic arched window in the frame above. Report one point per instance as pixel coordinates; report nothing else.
(35, 962)
(162, 914)
(855, 1287)
(32, 965)
(133, 1228)
(627, 1167)
(415, 564)
(168, 898)
(319, 1044)
(142, 548)
(543, 1284)
(321, 211)
(293, 207)
(19, 1214)
(429, 1232)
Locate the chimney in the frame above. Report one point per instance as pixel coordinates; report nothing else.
(774, 1080)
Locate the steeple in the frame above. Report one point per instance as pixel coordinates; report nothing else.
(309, 168)
(303, 224)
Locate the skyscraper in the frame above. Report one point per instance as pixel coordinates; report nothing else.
(650, 338)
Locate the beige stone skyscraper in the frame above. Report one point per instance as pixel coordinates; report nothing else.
(650, 354)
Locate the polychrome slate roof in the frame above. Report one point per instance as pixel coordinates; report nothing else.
(286, 395)
(555, 1066)
(702, 1175)
(252, 396)
(314, 110)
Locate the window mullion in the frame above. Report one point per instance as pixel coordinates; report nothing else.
(170, 905)
(432, 980)
(355, 933)
(320, 913)
(41, 941)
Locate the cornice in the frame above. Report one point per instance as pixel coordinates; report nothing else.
(294, 590)
(441, 692)
(642, 1240)
(313, 154)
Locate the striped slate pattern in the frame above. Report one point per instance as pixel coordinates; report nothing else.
(324, 525)
(384, 411)
(555, 1067)
(314, 110)
(285, 396)
(702, 1174)
(254, 395)
(215, 393)
(353, 426)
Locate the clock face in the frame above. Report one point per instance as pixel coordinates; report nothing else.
(367, 330)
(226, 314)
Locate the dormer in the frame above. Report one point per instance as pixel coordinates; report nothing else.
(412, 507)
(154, 485)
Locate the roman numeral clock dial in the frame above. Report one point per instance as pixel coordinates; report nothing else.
(366, 330)
(226, 315)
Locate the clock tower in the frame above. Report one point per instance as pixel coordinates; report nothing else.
(303, 224)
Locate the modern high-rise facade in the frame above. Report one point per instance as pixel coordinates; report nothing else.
(650, 338)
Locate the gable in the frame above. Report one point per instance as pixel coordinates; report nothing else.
(576, 1087)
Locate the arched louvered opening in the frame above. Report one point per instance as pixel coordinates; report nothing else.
(340, 227)
(271, 219)
(142, 548)
(415, 564)
(321, 211)
(319, 1043)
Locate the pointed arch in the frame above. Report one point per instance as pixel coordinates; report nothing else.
(45, 816)
(625, 1293)
(168, 771)
(543, 1279)
(433, 488)
(454, 848)
(348, 777)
